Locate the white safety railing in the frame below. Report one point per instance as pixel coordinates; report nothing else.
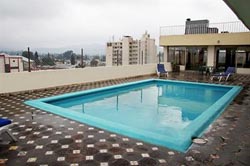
(204, 28)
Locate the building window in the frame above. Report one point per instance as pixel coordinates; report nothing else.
(191, 57)
(243, 59)
(196, 57)
(171, 54)
(176, 55)
(180, 56)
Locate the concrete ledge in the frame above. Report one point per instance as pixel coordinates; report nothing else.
(72, 85)
(29, 81)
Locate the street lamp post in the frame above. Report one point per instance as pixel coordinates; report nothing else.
(29, 59)
(81, 58)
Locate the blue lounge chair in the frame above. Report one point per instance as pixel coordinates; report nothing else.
(161, 70)
(229, 72)
(4, 123)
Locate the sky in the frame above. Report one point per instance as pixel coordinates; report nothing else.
(57, 25)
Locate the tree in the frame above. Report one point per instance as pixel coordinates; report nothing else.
(36, 58)
(67, 54)
(81, 66)
(47, 60)
(94, 62)
(86, 57)
(72, 59)
(96, 57)
(103, 58)
(25, 54)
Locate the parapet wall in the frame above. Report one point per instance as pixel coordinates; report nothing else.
(24, 81)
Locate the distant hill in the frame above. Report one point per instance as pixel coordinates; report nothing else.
(91, 49)
(11, 52)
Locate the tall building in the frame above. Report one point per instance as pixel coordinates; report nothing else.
(128, 51)
(148, 49)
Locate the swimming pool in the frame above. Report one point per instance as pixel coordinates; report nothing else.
(162, 112)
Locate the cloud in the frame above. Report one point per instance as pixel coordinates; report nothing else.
(30, 9)
(116, 2)
(62, 23)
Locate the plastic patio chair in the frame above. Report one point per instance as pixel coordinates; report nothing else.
(229, 72)
(161, 70)
(4, 124)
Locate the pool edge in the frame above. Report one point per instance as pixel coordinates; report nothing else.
(39, 103)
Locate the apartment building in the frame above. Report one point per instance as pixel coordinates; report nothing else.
(129, 51)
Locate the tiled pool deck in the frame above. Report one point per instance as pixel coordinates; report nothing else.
(45, 139)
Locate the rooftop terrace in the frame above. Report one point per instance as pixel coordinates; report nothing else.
(48, 139)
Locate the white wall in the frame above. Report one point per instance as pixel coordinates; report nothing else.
(125, 50)
(21, 65)
(109, 56)
(2, 67)
(165, 53)
(21, 81)
(152, 52)
(243, 70)
(16, 62)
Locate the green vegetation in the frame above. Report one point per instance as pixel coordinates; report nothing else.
(48, 60)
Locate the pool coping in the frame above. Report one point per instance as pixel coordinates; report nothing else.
(203, 120)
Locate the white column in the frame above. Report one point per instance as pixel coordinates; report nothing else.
(165, 52)
(211, 56)
(168, 65)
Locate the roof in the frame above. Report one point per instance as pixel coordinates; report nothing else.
(12, 56)
(26, 59)
(241, 9)
(16, 56)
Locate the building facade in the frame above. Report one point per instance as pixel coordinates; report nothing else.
(131, 52)
(199, 43)
(9, 64)
(14, 63)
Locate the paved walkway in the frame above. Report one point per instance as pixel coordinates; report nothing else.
(47, 139)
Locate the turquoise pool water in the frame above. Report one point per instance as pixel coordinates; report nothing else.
(167, 113)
